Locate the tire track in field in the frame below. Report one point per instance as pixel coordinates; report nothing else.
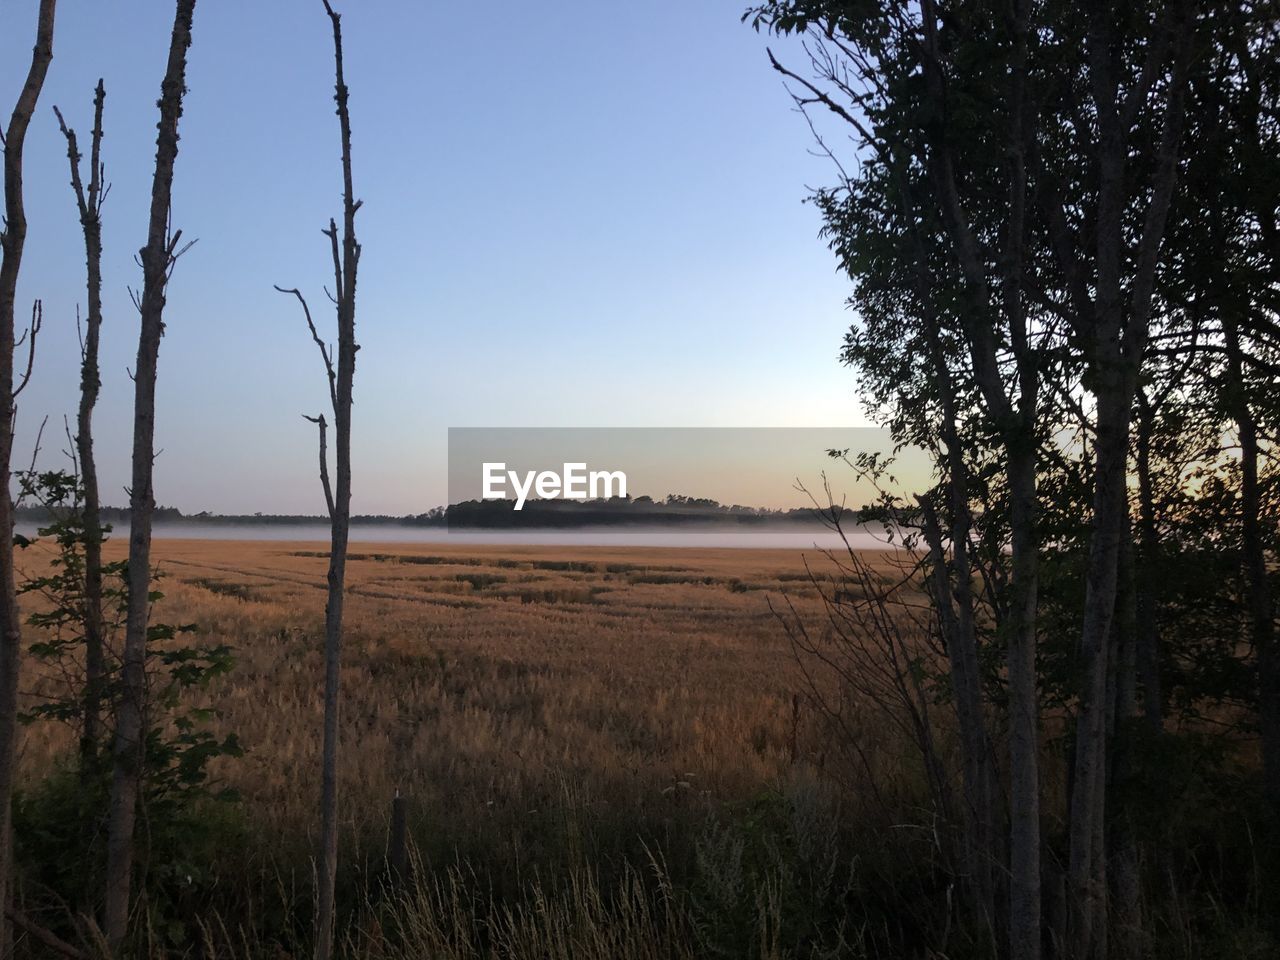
(275, 576)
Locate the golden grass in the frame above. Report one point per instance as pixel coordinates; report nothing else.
(493, 686)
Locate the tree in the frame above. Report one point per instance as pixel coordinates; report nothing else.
(1237, 199)
(89, 204)
(59, 820)
(923, 401)
(881, 81)
(345, 251)
(158, 257)
(12, 242)
(1023, 160)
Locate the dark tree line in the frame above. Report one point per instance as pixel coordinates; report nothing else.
(1060, 222)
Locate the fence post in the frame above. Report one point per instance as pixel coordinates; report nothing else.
(398, 843)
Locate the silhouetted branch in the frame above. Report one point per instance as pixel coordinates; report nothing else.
(324, 350)
(37, 318)
(324, 460)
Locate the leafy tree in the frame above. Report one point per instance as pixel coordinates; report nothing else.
(62, 819)
(1036, 250)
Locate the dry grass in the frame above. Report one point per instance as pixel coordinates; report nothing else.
(512, 693)
(589, 739)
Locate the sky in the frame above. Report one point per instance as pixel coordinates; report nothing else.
(575, 214)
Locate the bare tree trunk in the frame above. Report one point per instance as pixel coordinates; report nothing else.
(157, 257)
(339, 528)
(1025, 928)
(346, 257)
(89, 203)
(953, 596)
(1024, 708)
(1105, 322)
(1147, 654)
(1122, 852)
(1089, 783)
(1118, 324)
(11, 245)
(1254, 560)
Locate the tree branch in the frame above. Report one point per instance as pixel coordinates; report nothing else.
(37, 318)
(324, 460)
(324, 350)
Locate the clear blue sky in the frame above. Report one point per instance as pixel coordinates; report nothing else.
(575, 214)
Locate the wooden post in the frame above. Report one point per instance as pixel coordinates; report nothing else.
(398, 843)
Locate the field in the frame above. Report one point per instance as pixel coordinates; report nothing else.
(525, 700)
(605, 753)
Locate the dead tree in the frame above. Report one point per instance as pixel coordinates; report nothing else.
(89, 203)
(345, 251)
(158, 257)
(12, 241)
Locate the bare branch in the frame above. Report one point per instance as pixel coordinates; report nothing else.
(37, 318)
(319, 421)
(73, 157)
(332, 234)
(97, 193)
(324, 350)
(35, 455)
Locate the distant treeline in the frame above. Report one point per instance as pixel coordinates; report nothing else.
(38, 513)
(671, 510)
(645, 511)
